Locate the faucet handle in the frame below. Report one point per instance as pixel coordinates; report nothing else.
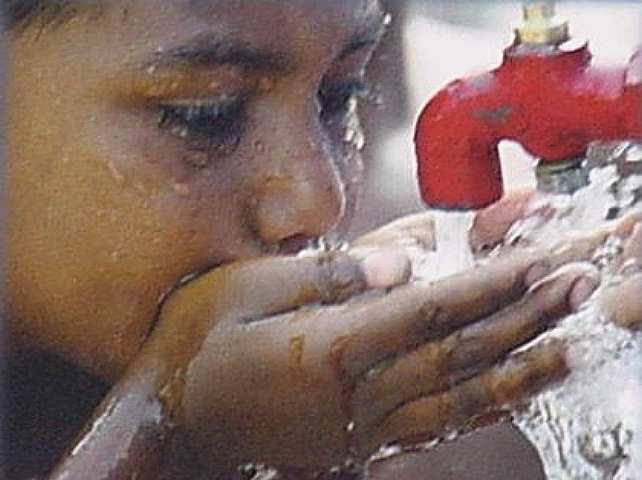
(541, 25)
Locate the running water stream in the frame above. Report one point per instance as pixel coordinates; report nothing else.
(452, 253)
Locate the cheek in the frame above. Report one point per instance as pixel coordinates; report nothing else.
(192, 201)
(201, 225)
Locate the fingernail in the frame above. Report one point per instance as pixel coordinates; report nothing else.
(386, 268)
(630, 267)
(582, 290)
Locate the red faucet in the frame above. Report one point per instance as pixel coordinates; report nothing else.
(547, 97)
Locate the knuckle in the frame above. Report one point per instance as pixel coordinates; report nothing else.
(337, 277)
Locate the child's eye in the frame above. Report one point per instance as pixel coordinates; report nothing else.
(205, 125)
(334, 99)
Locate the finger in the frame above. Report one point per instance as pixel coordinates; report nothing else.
(384, 267)
(623, 303)
(632, 252)
(249, 290)
(255, 289)
(491, 224)
(624, 226)
(438, 365)
(414, 230)
(574, 249)
(433, 416)
(413, 314)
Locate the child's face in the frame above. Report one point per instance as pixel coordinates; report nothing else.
(156, 139)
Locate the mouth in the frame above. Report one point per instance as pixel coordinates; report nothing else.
(296, 243)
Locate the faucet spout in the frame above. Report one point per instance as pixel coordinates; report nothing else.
(548, 98)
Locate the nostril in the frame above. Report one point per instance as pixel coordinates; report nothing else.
(289, 215)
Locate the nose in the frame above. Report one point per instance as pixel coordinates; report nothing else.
(298, 190)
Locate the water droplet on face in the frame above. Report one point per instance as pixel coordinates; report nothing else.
(265, 84)
(115, 173)
(259, 146)
(181, 189)
(386, 452)
(353, 135)
(258, 471)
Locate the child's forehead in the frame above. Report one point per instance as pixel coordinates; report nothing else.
(298, 28)
(269, 15)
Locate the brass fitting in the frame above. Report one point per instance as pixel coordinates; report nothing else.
(541, 26)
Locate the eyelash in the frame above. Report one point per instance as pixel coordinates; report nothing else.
(216, 128)
(212, 127)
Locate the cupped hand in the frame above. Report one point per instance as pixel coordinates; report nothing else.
(278, 360)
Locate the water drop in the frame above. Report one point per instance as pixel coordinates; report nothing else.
(259, 147)
(115, 173)
(387, 451)
(181, 189)
(258, 471)
(266, 84)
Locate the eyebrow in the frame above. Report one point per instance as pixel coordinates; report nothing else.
(207, 50)
(210, 50)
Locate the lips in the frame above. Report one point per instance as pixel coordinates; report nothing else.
(294, 244)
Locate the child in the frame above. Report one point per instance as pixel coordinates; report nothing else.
(166, 158)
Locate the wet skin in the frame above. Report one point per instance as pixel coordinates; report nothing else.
(111, 210)
(153, 140)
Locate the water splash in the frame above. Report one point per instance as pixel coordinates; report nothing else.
(589, 427)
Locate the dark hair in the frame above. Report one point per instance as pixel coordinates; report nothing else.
(23, 12)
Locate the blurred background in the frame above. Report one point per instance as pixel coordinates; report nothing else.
(429, 44)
